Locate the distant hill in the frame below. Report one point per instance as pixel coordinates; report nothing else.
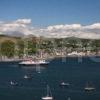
(29, 37)
(6, 37)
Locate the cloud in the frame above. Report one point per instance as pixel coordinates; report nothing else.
(93, 26)
(64, 27)
(20, 25)
(24, 26)
(73, 30)
(23, 21)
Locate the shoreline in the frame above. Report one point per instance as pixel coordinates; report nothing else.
(48, 58)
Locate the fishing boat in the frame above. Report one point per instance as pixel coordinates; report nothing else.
(48, 96)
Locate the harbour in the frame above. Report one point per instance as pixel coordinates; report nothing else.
(73, 72)
(49, 50)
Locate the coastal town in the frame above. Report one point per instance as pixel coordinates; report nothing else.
(16, 48)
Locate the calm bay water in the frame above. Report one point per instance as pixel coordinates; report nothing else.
(72, 71)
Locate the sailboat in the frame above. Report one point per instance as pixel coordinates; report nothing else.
(69, 98)
(48, 96)
(89, 88)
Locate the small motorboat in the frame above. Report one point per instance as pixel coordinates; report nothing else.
(64, 84)
(12, 83)
(27, 77)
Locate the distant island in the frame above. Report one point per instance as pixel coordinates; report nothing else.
(16, 48)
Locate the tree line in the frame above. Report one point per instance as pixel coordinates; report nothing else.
(32, 46)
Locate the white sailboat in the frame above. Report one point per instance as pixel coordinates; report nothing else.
(69, 98)
(48, 96)
(89, 87)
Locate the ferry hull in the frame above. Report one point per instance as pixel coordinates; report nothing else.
(33, 64)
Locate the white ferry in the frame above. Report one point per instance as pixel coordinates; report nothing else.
(34, 62)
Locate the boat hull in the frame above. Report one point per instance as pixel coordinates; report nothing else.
(89, 89)
(45, 64)
(47, 98)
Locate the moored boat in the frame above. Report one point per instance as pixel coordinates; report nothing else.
(69, 98)
(12, 83)
(89, 87)
(64, 84)
(27, 77)
(48, 96)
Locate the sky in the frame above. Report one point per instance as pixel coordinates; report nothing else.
(51, 17)
(51, 12)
